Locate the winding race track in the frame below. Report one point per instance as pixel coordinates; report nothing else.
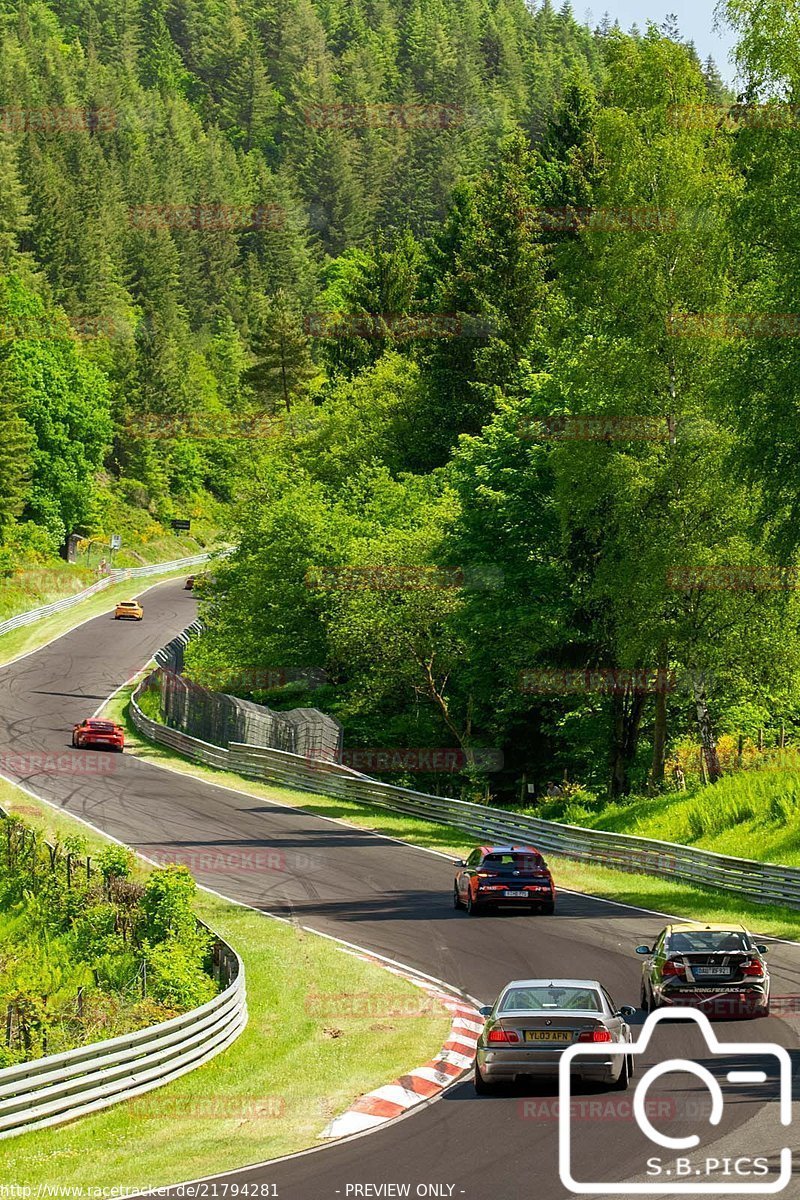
(396, 901)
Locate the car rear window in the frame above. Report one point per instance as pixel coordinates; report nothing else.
(708, 941)
(535, 998)
(128, 604)
(513, 862)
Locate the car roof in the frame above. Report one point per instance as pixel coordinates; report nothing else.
(508, 849)
(549, 981)
(694, 927)
(127, 602)
(100, 723)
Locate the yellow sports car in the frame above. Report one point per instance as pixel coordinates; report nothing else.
(128, 610)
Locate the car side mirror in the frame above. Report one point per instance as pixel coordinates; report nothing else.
(643, 950)
(485, 1010)
(626, 1010)
(762, 949)
(459, 862)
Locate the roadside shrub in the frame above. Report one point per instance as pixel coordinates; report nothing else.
(167, 904)
(175, 977)
(114, 862)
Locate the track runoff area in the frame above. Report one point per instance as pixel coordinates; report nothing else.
(395, 900)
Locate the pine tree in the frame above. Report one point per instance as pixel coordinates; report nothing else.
(283, 357)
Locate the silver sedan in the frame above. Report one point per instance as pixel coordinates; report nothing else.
(534, 1020)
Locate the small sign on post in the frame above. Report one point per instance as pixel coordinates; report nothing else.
(116, 541)
(181, 524)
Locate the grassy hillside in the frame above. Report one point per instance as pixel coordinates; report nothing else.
(751, 814)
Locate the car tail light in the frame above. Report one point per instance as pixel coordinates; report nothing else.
(594, 1035)
(752, 967)
(672, 968)
(502, 1035)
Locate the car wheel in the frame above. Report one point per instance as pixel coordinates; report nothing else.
(456, 898)
(621, 1084)
(472, 908)
(549, 907)
(482, 1085)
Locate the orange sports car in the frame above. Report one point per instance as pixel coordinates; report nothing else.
(130, 610)
(94, 732)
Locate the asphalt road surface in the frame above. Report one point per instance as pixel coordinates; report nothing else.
(394, 900)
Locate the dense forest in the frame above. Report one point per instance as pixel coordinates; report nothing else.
(474, 321)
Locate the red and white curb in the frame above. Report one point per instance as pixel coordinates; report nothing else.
(393, 1099)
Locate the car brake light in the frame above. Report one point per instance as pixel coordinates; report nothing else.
(594, 1035)
(672, 968)
(502, 1035)
(752, 967)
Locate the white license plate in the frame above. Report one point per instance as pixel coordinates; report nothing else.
(516, 895)
(709, 971)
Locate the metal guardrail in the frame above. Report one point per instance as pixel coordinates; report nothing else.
(61, 1087)
(114, 576)
(759, 882)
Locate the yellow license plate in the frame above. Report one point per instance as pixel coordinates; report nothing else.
(545, 1035)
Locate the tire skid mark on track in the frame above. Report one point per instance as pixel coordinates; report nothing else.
(392, 1100)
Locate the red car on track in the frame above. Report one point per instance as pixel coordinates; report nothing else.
(95, 733)
(500, 875)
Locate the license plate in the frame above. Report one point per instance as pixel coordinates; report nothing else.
(545, 1035)
(516, 895)
(709, 971)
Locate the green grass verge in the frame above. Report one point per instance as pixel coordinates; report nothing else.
(753, 813)
(324, 1028)
(643, 891)
(39, 633)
